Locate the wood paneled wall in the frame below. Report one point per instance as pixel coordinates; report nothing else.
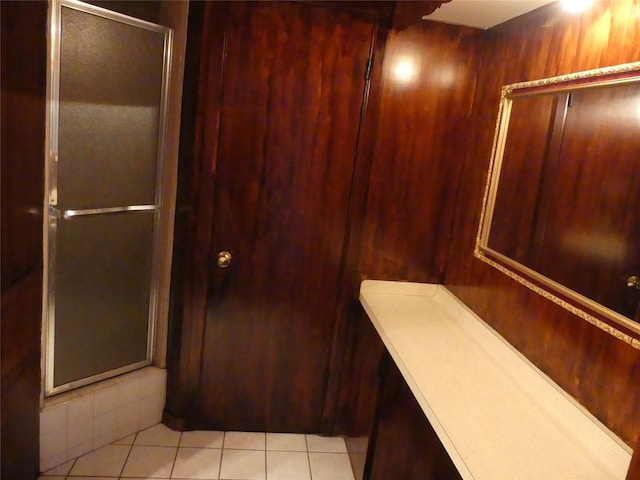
(422, 124)
(425, 148)
(601, 372)
(187, 237)
(414, 130)
(400, 420)
(403, 170)
(23, 81)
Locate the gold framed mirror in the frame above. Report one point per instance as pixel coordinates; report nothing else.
(561, 210)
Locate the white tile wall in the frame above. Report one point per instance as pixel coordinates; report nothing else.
(75, 423)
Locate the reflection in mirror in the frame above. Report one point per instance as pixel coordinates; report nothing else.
(562, 209)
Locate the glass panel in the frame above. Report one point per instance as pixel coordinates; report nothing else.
(110, 96)
(522, 170)
(102, 282)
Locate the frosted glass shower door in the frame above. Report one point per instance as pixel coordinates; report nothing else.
(108, 85)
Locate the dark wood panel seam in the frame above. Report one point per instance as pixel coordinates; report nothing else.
(337, 349)
(209, 154)
(342, 353)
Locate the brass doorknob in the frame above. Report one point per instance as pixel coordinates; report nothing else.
(633, 281)
(224, 259)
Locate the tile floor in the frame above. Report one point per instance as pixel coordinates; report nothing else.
(160, 453)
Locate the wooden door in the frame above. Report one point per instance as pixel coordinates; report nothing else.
(292, 91)
(593, 225)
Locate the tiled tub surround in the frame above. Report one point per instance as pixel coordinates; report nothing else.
(77, 422)
(161, 453)
(495, 413)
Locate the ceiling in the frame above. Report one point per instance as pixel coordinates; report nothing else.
(483, 13)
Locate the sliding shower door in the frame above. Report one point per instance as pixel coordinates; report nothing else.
(108, 86)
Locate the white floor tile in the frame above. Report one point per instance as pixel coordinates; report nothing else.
(93, 478)
(154, 454)
(330, 466)
(106, 461)
(245, 440)
(158, 436)
(197, 463)
(202, 439)
(288, 466)
(289, 442)
(243, 465)
(152, 462)
(316, 443)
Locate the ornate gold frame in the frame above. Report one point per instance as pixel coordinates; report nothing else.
(598, 315)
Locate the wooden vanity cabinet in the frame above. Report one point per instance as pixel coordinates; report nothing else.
(634, 467)
(455, 400)
(403, 443)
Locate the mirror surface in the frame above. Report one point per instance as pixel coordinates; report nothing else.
(562, 206)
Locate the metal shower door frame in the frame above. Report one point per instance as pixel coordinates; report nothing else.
(53, 214)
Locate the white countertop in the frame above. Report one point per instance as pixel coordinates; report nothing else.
(496, 414)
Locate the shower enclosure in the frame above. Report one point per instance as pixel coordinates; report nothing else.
(108, 92)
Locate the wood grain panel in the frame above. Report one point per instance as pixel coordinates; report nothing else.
(422, 126)
(23, 80)
(380, 11)
(404, 444)
(601, 372)
(520, 176)
(188, 312)
(20, 357)
(358, 394)
(207, 31)
(442, 94)
(23, 84)
(592, 225)
(634, 467)
(408, 182)
(339, 416)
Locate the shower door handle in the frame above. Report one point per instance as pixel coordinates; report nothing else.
(66, 214)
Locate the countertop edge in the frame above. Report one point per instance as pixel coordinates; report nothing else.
(373, 287)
